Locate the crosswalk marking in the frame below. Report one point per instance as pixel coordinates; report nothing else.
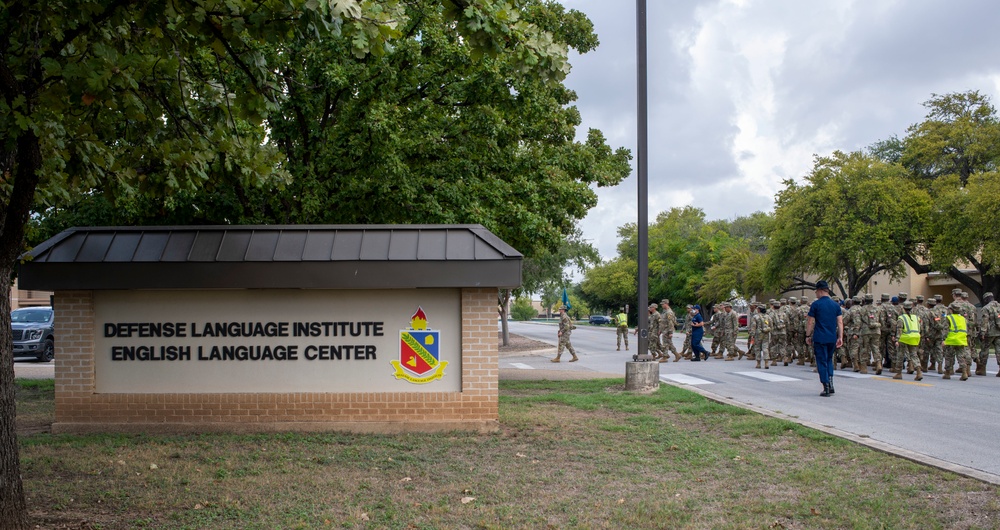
(768, 376)
(685, 379)
(522, 366)
(853, 375)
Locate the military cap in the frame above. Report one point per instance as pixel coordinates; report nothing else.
(835, 298)
(689, 306)
(793, 300)
(955, 306)
(665, 301)
(775, 302)
(965, 294)
(653, 305)
(869, 296)
(956, 290)
(907, 305)
(938, 298)
(856, 299)
(562, 308)
(920, 298)
(885, 297)
(903, 296)
(931, 302)
(783, 300)
(987, 295)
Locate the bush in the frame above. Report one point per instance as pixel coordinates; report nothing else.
(522, 309)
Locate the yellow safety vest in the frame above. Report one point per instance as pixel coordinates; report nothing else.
(911, 330)
(622, 319)
(958, 334)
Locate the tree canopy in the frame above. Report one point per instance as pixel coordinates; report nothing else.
(853, 217)
(288, 111)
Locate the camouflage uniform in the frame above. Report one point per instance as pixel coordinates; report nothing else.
(971, 315)
(621, 329)
(730, 328)
(714, 324)
(804, 312)
(937, 328)
(653, 339)
(668, 323)
(796, 331)
(566, 328)
(957, 352)
(921, 312)
(907, 352)
(779, 337)
(869, 334)
(989, 326)
(760, 331)
(686, 348)
(843, 352)
(852, 329)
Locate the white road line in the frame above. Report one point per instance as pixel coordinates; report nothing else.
(853, 375)
(768, 376)
(685, 379)
(522, 366)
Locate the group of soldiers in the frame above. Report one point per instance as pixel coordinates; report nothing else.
(878, 334)
(777, 332)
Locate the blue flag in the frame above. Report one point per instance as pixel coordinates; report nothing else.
(566, 299)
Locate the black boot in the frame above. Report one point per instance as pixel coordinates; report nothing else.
(826, 390)
(830, 386)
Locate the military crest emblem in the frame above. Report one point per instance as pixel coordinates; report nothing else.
(419, 359)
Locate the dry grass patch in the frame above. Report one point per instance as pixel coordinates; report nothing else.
(570, 454)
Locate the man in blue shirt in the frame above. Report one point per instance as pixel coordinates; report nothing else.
(825, 333)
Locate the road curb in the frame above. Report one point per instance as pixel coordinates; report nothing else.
(883, 447)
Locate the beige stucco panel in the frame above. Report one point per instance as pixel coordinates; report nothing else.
(374, 373)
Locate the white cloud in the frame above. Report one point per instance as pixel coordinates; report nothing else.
(744, 93)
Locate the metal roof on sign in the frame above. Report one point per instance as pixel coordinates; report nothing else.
(272, 257)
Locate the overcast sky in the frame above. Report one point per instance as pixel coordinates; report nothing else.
(743, 93)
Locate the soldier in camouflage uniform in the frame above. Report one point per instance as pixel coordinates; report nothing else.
(844, 352)
(653, 339)
(760, 331)
(907, 339)
(795, 334)
(956, 343)
(714, 324)
(730, 328)
(621, 328)
(884, 313)
(920, 310)
(779, 337)
(852, 327)
(566, 327)
(668, 322)
(937, 328)
(989, 326)
(869, 334)
(686, 349)
(971, 314)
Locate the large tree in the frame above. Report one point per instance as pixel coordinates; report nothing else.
(954, 153)
(132, 99)
(854, 216)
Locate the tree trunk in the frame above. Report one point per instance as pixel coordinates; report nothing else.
(504, 328)
(13, 508)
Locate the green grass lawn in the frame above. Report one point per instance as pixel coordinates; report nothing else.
(569, 454)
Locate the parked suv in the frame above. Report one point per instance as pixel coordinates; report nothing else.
(33, 333)
(600, 320)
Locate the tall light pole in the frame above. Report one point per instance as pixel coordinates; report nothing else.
(642, 166)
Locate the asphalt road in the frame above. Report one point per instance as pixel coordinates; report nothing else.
(26, 369)
(948, 420)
